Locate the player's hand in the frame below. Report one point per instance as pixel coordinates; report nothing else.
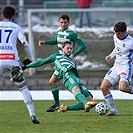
(71, 56)
(108, 58)
(24, 67)
(26, 61)
(40, 43)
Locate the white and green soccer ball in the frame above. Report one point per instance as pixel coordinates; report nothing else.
(101, 108)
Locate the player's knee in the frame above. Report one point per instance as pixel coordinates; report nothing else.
(17, 75)
(21, 84)
(102, 87)
(122, 88)
(75, 89)
(52, 83)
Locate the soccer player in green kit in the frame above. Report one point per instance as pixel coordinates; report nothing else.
(62, 35)
(66, 67)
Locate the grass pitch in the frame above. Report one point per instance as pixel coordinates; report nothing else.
(14, 118)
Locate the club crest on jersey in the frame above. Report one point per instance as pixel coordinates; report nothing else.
(118, 51)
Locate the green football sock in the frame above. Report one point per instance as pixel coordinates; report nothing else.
(80, 97)
(55, 92)
(78, 106)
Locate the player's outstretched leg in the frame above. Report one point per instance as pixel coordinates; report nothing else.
(62, 108)
(89, 105)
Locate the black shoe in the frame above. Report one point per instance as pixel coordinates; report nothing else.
(52, 108)
(34, 120)
(87, 110)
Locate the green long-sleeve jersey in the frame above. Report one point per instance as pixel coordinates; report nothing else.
(42, 62)
(67, 35)
(62, 63)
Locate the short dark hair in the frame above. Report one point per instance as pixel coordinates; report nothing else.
(120, 26)
(66, 42)
(64, 16)
(8, 11)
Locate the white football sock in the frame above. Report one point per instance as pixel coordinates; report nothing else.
(110, 102)
(28, 100)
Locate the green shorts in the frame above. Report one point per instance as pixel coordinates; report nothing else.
(57, 75)
(71, 80)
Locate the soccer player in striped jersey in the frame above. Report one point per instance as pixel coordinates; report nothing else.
(9, 59)
(122, 70)
(62, 35)
(66, 67)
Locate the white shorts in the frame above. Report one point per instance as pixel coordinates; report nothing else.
(119, 73)
(5, 68)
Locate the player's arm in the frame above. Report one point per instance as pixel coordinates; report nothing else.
(28, 51)
(23, 40)
(113, 53)
(82, 45)
(38, 63)
(48, 42)
(110, 56)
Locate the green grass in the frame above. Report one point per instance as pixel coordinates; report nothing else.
(14, 118)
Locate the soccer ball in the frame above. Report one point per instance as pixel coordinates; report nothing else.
(101, 108)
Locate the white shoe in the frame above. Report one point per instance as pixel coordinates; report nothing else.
(111, 113)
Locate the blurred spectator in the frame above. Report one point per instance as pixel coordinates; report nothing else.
(84, 4)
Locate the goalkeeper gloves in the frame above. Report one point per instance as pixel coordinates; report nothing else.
(26, 61)
(24, 67)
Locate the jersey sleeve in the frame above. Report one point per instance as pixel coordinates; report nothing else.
(113, 53)
(22, 38)
(47, 60)
(51, 42)
(82, 46)
(21, 35)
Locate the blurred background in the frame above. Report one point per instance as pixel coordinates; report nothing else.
(97, 35)
(97, 19)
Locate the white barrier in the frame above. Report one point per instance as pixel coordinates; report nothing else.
(63, 94)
